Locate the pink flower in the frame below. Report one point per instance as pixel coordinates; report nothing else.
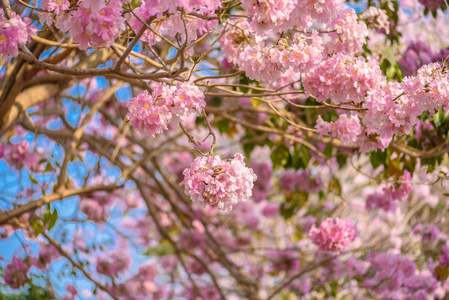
(113, 264)
(173, 24)
(19, 156)
(263, 171)
(270, 63)
(376, 18)
(271, 210)
(16, 273)
(47, 254)
(346, 129)
(14, 32)
(343, 79)
(302, 180)
(222, 184)
(389, 113)
(443, 260)
(188, 100)
(73, 292)
(395, 276)
(390, 193)
(395, 108)
(151, 114)
(431, 234)
(94, 23)
(56, 7)
(235, 40)
(333, 235)
(349, 36)
(322, 11)
(269, 14)
(380, 200)
(286, 260)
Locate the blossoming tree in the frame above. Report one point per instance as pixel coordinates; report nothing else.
(221, 149)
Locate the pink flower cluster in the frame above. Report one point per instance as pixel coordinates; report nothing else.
(72, 292)
(95, 205)
(113, 264)
(269, 14)
(343, 79)
(96, 23)
(376, 18)
(158, 7)
(352, 267)
(431, 234)
(380, 200)
(14, 32)
(141, 285)
(346, 129)
(322, 11)
(415, 56)
(393, 277)
(390, 194)
(262, 186)
(151, 114)
(19, 156)
(333, 235)
(286, 260)
(432, 4)
(443, 259)
(47, 254)
(390, 113)
(234, 40)
(370, 140)
(292, 181)
(56, 7)
(395, 108)
(218, 183)
(429, 89)
(16, 271)
(173, 24)
(270, 63)
(349, 36)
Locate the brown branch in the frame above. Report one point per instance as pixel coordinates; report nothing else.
(32, 205)
(78, 266)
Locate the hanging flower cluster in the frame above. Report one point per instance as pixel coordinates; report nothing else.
(14, 32)
(333, 235)
(213, 181)
(151, 114)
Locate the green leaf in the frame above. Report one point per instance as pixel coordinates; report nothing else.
(53, 219)
(438, 118)
(341, 160)
(38, 227)
(255, 102)
(47, 214)
(280, 156)
(441, 273)
(327, 150)
(48, 167)
(33, 180)
(305, 155)
(378, 158)
(248, 148)
(335, 186)
(222, 126)
(164, 249)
